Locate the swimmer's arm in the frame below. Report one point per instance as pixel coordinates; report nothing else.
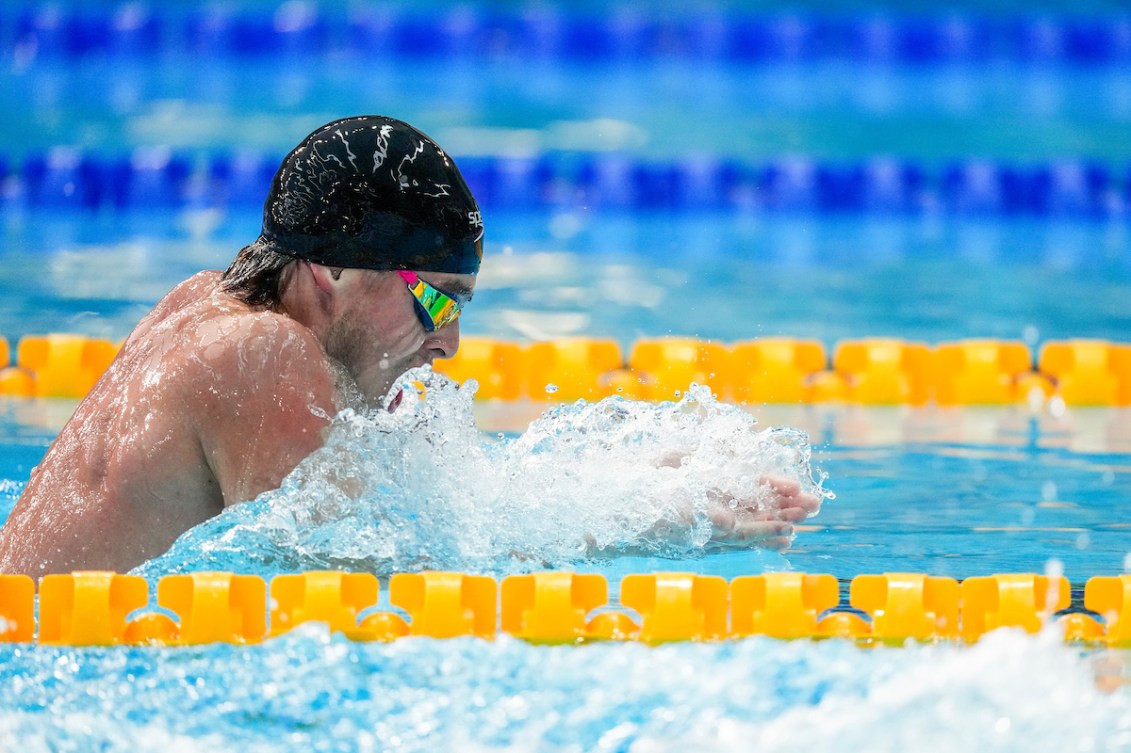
(272, 410)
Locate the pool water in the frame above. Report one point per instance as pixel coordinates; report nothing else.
(956, 493)
(323, 693)
(622, 275)
(927, 489)
(500, 489)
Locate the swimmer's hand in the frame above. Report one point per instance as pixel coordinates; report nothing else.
(768, 524)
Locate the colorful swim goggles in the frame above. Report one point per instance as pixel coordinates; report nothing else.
(434, 307)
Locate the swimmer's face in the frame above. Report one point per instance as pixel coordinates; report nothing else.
(380, 333)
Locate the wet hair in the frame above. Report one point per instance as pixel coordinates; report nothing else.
(255, 275)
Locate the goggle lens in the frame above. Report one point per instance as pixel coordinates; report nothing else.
(434, 307)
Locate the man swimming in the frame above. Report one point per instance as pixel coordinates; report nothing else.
(370, 246)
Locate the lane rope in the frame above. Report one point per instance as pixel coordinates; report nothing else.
(779, 370)
(103, 608)
(71, 179)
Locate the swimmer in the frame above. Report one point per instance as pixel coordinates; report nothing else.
(370, 247)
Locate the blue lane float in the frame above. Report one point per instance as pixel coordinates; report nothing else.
(540, 31)
(70, 179)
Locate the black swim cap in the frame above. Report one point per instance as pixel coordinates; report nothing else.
(372, 192)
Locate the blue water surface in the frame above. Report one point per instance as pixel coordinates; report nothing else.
(624, 276)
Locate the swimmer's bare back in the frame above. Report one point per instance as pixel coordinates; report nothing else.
(209, 403)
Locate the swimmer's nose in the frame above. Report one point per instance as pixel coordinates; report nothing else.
(444, 342)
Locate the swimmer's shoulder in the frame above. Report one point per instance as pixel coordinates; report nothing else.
(256, 377)
(200, 287)
(221, 346)
(246, 350)
(193, 293)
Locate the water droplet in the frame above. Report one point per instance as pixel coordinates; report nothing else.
(551, 389)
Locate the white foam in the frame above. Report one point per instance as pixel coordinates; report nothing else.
(422, 487)
(1009, 692)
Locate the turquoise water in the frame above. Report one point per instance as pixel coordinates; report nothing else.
(324, 694)
(819, 109)
(955, 492)
(624, 276)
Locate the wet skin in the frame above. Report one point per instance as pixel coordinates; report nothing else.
(209, 403)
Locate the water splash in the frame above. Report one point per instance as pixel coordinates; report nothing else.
(421, 487)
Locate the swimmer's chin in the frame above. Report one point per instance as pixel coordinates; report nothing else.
(379, 386)
(370, 392)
